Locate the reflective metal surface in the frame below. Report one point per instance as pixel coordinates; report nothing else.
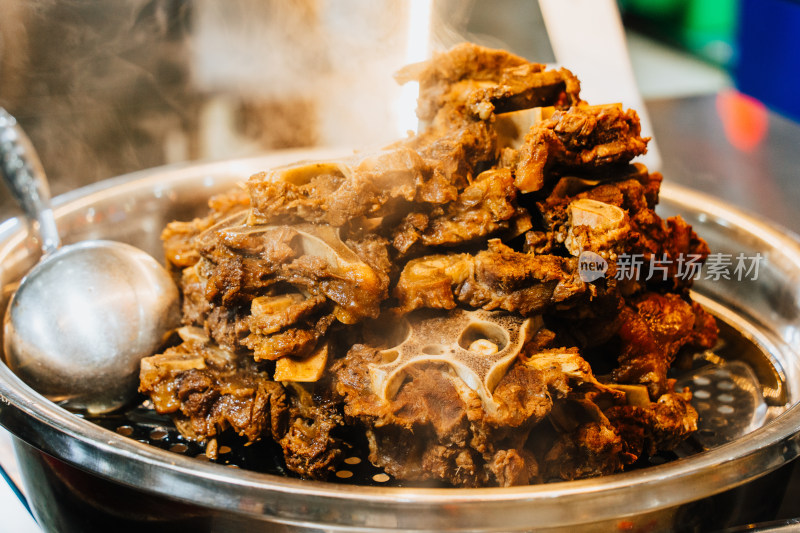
(21, 170)
(698, 138)
(82, 319)
(766, 311)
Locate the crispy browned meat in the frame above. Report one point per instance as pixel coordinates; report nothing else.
(239, 263)
(585, 137)
(653, 328)
(461, 91)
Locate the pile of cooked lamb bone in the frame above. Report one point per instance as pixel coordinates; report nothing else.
(428, 296)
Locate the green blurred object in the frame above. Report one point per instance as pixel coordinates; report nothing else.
(710, 29)
(706, 28)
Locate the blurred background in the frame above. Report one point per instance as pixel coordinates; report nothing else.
(106, 88)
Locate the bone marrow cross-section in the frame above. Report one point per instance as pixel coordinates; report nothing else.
(478, 346)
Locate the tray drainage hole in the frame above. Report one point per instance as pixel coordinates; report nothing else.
(702, 381)
(179, 448)
(725, 409)
(657, 460)
(159, 434)
(727, 398)
(381, 478)
(718, 421)
(726, 385)
(201, 457)
(706, 433)
(702, 394)
(125, 431)
(344, 474)
(353, 460)
(223, 450)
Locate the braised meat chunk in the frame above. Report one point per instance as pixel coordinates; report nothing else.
(210, 390)
(485, 81)
(654, 327)
(430, 301)
(497, 278)
(582, 138)
(484, 208)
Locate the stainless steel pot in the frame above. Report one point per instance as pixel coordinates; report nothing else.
(81, 477)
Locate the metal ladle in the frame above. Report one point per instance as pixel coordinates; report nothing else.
(85, 315)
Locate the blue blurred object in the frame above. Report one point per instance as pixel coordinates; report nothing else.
(768, 66)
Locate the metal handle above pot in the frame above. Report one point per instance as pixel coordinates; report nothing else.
(23, 173)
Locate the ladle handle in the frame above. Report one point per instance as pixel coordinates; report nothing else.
(23, 174)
